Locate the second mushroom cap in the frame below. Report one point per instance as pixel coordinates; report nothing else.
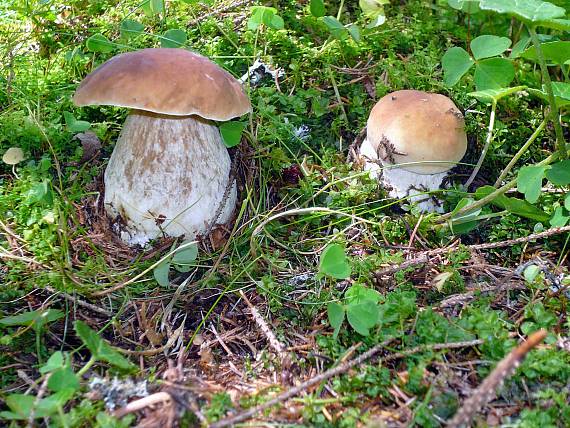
(423, 131)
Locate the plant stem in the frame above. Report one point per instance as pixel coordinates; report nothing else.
(339, 14)
(489, 198)
(521, 151)
(87, 366)
(486, 147)
(554, 113)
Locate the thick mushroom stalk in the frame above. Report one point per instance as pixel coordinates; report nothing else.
(168, 175)
(413, 139)
(169, 172)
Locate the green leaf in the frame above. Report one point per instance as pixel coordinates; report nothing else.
(567, 202)
(335, 313)
(334, 262)
(54, 362)
(362, 316)
(335, 27)
(487, 46)
(557, 52)
(530, 273)
(231, 132)
(74, 125)
(456, 62)
(561, 92)
(153, 7)
(493, 73)
(52, 403)
(63, 378)
(490, 95)
(520, 46)
(529, 181)
(130, 28)
(174, 38)
(317, 8)
(187, 254)
(262, 15)
(100, 349)
(156, 6)
(439, 281)
(35, 318)
(465, 222)
(100, 43)
(374, 11)
(276, 22)
(160, 273)
(21, 406)
(359, 294)
(525, 10)
(354, 32)
(560, 217)
(559, 173)
(513, 205)
(556, 24)
(467, 6)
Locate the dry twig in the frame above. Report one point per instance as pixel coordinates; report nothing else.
(223, 9)
(487, 389)
(342, 368)
(266, 330)
(425, 256)
(134, 406)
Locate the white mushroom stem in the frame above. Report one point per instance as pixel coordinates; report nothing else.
(401, 183)
(168, 174)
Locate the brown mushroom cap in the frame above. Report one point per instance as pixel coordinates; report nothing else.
(167, 81)
(415, 126)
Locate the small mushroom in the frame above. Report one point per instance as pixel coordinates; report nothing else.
(169, 170)
(13, 156)
(413, 139)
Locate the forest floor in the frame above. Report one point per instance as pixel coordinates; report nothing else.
(257, 317)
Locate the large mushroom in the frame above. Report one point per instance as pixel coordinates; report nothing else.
(413, 139)
(169, 171)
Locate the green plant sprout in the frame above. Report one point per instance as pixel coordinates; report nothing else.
(57, 373)
(535, 13)
(491, 79)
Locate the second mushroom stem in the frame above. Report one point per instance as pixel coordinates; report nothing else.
(486, 147)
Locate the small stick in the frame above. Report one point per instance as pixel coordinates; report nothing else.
(486, 391)
(79, 302)
(41, 392)
(415, 231)
(272, 339)
(545, 234)
(134, 406)
(224, 9)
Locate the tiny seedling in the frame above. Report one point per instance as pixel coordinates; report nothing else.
(360, 308)
(180, 260)
(62, 382)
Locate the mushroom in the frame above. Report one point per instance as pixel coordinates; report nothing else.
(413, 139)
(170, 170)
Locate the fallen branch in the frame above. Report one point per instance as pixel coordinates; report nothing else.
(486, 391)
(425, 255)
(342, 368)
